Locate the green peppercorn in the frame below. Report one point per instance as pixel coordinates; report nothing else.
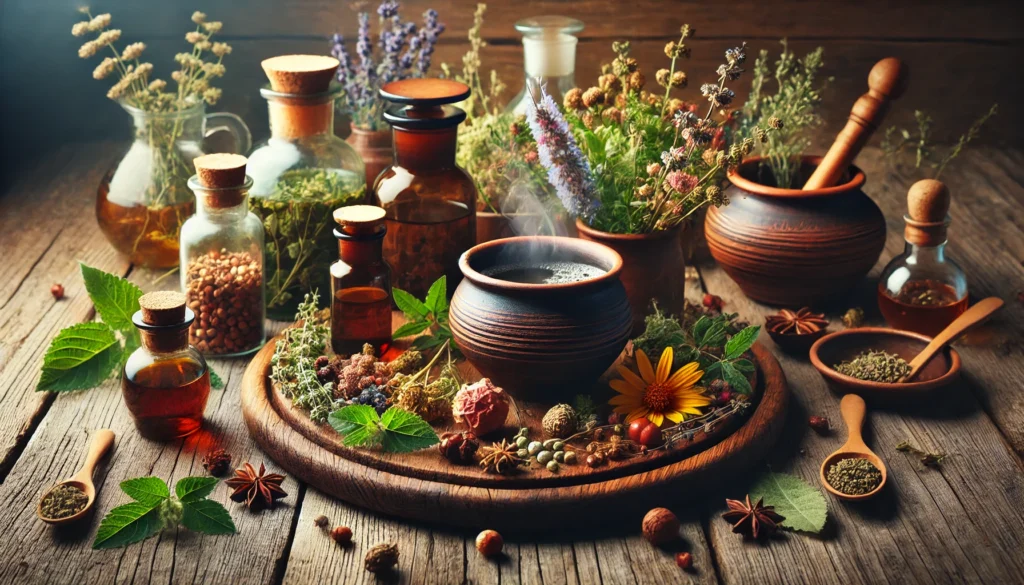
(545, 456)
(534, 447)
(553, 466)
(523, 432)
(558, 446)
(522, 453)
(522, 442)
(550, 444)
(560, 456)
(570, 457)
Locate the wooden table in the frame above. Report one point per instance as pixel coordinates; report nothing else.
(961, 523)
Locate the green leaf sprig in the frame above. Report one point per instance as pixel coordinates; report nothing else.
(427, 318)
(154, 509)
(801, 503)
(396, 431)
(84, 355)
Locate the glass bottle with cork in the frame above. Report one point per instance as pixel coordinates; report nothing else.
(360, 282)
(300, 175)
(549, 58)
(165, 382)
(430, 203)
(222, 260)
(922, 290)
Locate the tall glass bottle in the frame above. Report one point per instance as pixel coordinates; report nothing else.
(430, 203)
(222, 259)
(922, 290)
(165, 382)
(360, 282)
(300, 175)
(549, 58)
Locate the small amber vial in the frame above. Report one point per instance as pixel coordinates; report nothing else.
(165, 381)
(360, 282)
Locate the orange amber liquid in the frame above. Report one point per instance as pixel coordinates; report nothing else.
(147, 235)
(167, 398)
(361, 314)
(424, 241)
(922, 306)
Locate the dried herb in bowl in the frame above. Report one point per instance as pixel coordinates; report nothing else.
(875, 366)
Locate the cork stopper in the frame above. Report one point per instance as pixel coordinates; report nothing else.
(300, 74)
(163, 308)
(221, 179)
(359, 219)
(927, 213)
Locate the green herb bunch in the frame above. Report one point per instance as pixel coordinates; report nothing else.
(715, 342)
(300, 245)
(396, 431)
(925, 152)
(85, 355)
(428, 319)
(155, 509)
(792, 110)
(292, 365)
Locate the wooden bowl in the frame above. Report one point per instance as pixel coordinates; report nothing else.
(542, 342)
(840, 346)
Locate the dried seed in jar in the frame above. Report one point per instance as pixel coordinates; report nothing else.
(225, 290)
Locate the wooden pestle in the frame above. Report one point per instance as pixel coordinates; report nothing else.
(887, 81)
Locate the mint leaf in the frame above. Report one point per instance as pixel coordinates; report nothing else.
(802, 504)
(358, 424)
(80, 357)
(115, 298)
(127, 524)
(745, 367)
(206, 516)
(405, 431)
(741, 342)
(410, 305)
(215, 382)
(425, 342)
(146, 490)
(194, 488)
(437, 301)
(410, 329)
(738, 381)
(700, 329)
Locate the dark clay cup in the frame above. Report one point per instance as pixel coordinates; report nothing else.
(540, 342)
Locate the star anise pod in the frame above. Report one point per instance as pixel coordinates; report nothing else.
(796, 322)
(257, 490)
(754, 520)
(217, 462)
(501, 458)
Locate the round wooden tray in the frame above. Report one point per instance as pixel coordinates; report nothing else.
(422, 486)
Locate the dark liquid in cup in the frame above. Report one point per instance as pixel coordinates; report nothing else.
(557, 272)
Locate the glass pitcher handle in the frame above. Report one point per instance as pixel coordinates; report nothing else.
(232, 124)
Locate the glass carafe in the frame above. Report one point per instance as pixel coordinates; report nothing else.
(549, 58)
(143, 200)
(301, 174)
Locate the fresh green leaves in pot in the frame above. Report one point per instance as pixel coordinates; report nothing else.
(428, 319)
(154, 509)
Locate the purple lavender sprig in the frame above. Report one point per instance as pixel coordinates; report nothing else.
(427, 38)
(568, 170)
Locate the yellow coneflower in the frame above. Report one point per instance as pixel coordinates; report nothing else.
(659, 394)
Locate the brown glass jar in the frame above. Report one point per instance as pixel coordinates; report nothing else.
(430, 202)
(360, 282)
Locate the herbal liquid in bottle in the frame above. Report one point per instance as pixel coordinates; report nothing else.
(165, 382)
(360, 282)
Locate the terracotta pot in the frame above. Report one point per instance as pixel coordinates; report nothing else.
(540, 342)
(653, 268)
(375, 148)
(795, 248)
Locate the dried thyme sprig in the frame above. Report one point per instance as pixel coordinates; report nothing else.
(926, 458)
(898, 140)
(292, 366)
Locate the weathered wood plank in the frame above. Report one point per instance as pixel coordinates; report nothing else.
(934, 526)
(56, 450)
(46, 227)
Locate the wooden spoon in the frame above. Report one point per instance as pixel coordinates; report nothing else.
(101, 443)
(971, 317)
(854, 411)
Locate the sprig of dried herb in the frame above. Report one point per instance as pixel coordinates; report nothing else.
(927, 459)
(155, 509)
(292, 365)
(84, 355)
(396, 431)
(428, 319)
(926, 152)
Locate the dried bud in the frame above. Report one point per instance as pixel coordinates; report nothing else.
(57, 291)
(761, 133)
(559, 421)
(458, 448)
(609, 83)
(321, 521)
(573, 99)
(819, 424)
(217, 462)
(679, 79)
(593, 97)
(612, 115)
(853, 318)
(662, 77)
(653, 169)
(775, 123)
(482, 406)
(588, 120)
(635, 81)
(716, 196)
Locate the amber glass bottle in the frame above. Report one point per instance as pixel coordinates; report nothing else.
(360, 282)
(166, 381)
(430, 202)
(922, 290)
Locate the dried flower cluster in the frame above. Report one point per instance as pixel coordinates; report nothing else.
(646, 160)
(135, 86)
(405, 51)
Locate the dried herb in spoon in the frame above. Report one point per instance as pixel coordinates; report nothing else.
(875, 366)
(854, 476)
(63, 501)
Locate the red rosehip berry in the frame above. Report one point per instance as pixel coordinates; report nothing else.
(684, 560)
